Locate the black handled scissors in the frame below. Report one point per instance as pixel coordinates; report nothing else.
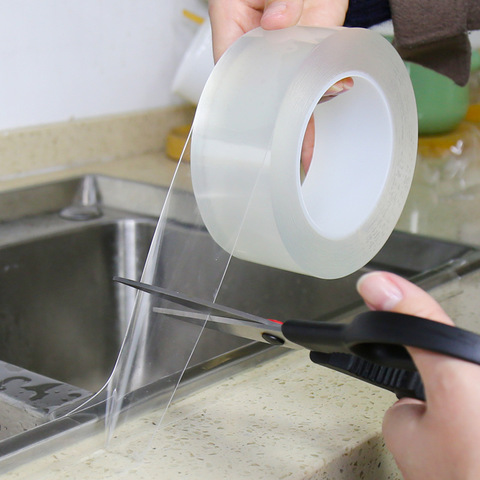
(371, 347)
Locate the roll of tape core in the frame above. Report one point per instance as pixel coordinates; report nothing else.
(247, 139)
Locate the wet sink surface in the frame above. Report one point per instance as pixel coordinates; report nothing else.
(62, 318)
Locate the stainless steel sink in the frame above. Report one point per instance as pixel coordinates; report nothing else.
(61, 314)
(62, 318)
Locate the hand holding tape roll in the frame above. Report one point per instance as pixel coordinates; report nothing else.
(247, 138)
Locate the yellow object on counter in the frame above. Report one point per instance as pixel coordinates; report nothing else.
(473, 113)
(176, 140)
(193, 16)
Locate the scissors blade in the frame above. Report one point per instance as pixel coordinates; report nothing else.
(194, 303)
(259, 332)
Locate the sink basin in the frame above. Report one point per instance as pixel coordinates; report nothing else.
(61, 315)
(62, 318)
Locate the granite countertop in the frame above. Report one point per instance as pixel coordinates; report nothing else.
(285, 419)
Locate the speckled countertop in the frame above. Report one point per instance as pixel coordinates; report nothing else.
(285, 419)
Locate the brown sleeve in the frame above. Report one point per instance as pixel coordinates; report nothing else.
(434, 33)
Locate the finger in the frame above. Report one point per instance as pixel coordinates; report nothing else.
(308, 145)
(401, 427)
(323, 13)
(230, 20)
(386, 291)
(390, 292)
(318, 13)
(341, 86)
(281, 14)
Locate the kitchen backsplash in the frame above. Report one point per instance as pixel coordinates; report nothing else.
(37, 150)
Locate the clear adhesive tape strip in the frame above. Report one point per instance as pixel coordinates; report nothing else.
(256, 105)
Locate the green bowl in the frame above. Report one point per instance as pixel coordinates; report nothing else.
(441, 104)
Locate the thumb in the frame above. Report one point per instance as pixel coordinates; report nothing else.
(281, 14)
(389, 292)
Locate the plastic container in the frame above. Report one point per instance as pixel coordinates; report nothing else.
(195, 66)
(450, 163)
(445, 195)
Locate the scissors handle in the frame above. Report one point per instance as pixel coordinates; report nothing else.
(372, 346)
(404, 383)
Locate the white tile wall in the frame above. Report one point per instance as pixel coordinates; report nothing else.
(63, 59)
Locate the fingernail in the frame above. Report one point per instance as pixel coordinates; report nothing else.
(378, 291)
(275, 8)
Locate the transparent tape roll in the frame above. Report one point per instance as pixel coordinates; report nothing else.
(248, 134)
